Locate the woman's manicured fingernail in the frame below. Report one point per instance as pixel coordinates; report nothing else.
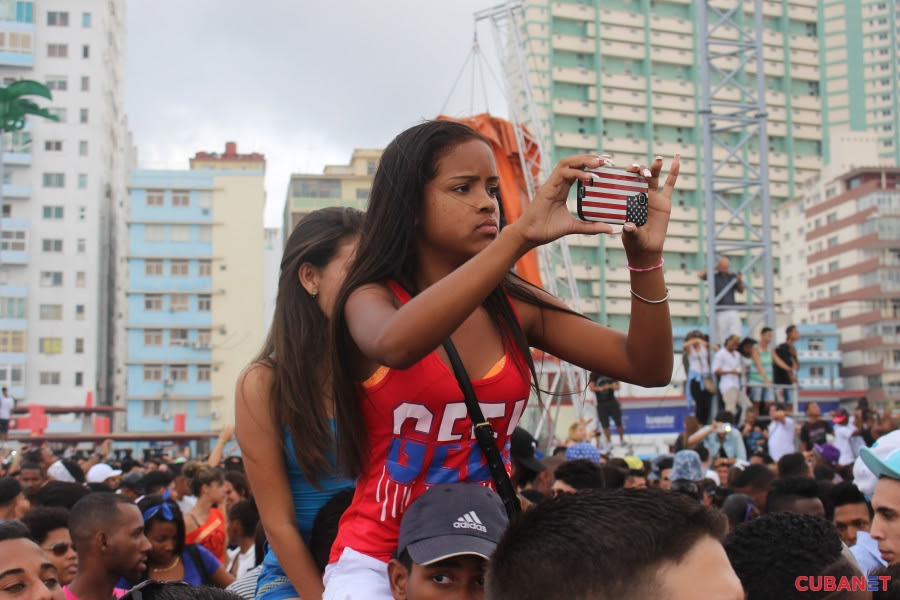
(628, 227)
(647, 173)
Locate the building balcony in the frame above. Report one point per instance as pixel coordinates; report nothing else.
(818, 356)
(16, 191)
(574, 12)
(570, 43)
(821, 383)
(16, 159)
(583, 141)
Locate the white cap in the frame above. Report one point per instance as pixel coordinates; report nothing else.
(101, 472)
(59, 472)
(863, 476)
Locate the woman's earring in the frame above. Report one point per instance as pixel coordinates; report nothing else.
(313, 294)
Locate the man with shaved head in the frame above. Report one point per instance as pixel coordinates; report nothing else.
(108, 533)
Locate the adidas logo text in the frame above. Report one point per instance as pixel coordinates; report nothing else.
(470, 521)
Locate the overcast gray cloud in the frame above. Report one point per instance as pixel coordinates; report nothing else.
(303, 82)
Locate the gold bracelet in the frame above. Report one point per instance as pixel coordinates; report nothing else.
(641, 298)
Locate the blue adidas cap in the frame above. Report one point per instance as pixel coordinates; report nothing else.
(452, 519)
(886, 466)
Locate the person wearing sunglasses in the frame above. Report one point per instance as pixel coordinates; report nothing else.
(25, 571)
(49, 526)
(170, 558)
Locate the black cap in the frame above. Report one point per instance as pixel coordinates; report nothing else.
(9, 489)
(452, 519)
(522, 446)
(133, 481)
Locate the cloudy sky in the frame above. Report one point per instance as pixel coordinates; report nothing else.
(303, 81)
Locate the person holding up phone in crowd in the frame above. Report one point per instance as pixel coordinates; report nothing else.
(433, 264)
(727, 441)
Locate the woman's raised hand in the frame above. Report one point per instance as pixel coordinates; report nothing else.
(645, 244)
(547, 218)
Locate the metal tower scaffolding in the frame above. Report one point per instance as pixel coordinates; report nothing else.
(554, 260)
(733, 109)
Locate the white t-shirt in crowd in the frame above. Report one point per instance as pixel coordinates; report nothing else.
(245, 561)
(6, 406)
(698, 359)
(846, 442)
(781, 438)
(728, 361)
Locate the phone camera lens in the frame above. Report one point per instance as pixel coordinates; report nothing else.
(642, 198)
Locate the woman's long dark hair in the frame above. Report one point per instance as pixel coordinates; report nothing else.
(297, 347)
(387, 250)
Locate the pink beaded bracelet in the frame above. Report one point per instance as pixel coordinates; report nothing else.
(662, 261)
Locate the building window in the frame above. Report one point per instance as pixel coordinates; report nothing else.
(151, 408)
(180, 268)
(180, 233)
(79, 345)
(832, 241)
(153, 337)
(49, 377)
(10, 375)
(53, 146)
(153, 302)
(370, 167)
(50, 345)
(178, 373)
(52, 212)
(204, 268)
(86, 19)
(833, 266)
(85, 84)
(153, 373)
(816, 344)
(179, 337)
(362, 194)
(204, 302)
(79, 312)
(834, 290)
(57, 50)
(204, 233)
(79, 378)
(79, 279)
(51, 278)
(203, 372)
(204, 199)
(179, 302)
(204, 338)
(60, 114)
(835, 315)
(817, 371)
(154, 233)
(181, 198)
(12, 308)
(54, 180)
(85, 51)
(58, 19)
(156, 198)
(81, 245)
(82, 181)
(57, 83)
(153, 268)
(14, 239)
(51, 245)
(83, 116)
(83, 148)
(12, 341)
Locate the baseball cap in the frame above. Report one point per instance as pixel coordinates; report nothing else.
(634, 463)
(583, 450)
(840, 416)
(829, 452)
(101, 472)
(864, 478)
(522, 446)
(133, 481)
(9, 489)
(882, 461)
(452, 519)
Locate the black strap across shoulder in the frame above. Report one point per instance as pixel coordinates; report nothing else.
(484, 433)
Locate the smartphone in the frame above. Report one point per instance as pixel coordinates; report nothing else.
(613, 196)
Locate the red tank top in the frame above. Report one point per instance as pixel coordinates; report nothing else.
(420, 435)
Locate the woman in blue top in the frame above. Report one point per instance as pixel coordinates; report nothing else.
(171, 559)
(283, 405)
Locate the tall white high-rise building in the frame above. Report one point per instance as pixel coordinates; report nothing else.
(63, 182)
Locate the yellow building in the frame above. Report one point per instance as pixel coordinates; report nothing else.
(338, 185)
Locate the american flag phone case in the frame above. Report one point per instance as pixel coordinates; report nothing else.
(613, 196)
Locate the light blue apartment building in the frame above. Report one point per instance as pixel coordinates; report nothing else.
(169, 296)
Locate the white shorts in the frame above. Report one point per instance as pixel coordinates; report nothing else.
(357, 576)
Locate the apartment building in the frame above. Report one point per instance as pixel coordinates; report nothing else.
(859, 48)
(338, 185)
(847, 256)
(61, 184)
(193, 292)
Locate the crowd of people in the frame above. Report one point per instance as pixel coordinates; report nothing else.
(380, 456)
